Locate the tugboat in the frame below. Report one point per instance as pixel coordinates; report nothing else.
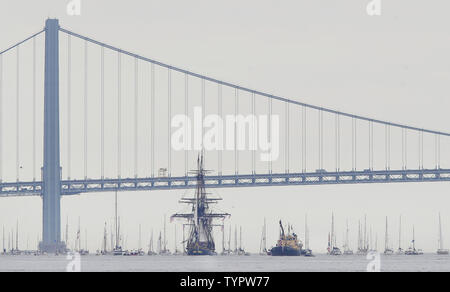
(200, 221)
(287, 245)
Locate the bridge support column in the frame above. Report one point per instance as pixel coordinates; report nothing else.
(51, 224)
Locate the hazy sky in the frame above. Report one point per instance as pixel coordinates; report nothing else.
(391, 67)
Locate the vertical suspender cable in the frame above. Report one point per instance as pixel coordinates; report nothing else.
(339, 143)
(371, 138)
(406, 149)
(18, 114)
(221, 139)
(356, 145)
(304, 139)
(439, 151)
(203, 111)
(301, 139)
(136, 115)
(421, 154)
(420, 149)
(435, 152)
(320, 138)
(254, 134)
(385, 147)
(389, 147)
(353, 144)
(287, 138)
(69, 111)
(102, 93)
(270, 133)
(403, 148)
(336, 137)
(85, 108)
(186, 114)
(1, 118)
(169, 116)
(119, 114)
(152, 102)
(236, 111)
(370, 149)
(34, 109)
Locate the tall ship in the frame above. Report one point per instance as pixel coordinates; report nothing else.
(200, 220)
(288, 244)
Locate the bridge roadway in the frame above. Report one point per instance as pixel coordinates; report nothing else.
(75, 187)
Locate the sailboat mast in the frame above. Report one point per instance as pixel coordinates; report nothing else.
(67, 231)
(386, 236)
(400, 234)
(346, 236)
(306, 232)
(441, 243)
(139, 243)
(240, 237)
(332, 230)
(17, 234)
(165, 242)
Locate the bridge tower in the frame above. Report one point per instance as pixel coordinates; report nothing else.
(51, 173)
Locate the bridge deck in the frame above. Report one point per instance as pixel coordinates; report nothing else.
(73, 187)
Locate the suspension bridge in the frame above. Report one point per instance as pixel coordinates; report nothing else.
(115, 132)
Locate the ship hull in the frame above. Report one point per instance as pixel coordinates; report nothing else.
(285, 251)
(200, 252)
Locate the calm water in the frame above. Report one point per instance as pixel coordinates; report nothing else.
(254, 263)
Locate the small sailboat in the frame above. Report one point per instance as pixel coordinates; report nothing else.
(241, 251)
(307, 252)
(263, 244)
(332, 243)
(441, 250)
(400, 251)
(163, 250)
(412, 249)
(387, 249)
(117, 250)
(363, 245)
(176, 251)
(347, 249)
(151, 252)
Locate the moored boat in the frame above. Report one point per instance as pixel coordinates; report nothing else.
(287, 245)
